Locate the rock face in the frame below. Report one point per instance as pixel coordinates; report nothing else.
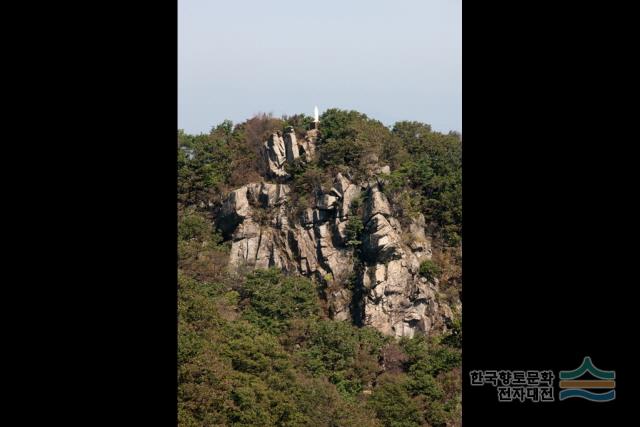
(378, 285)
(308, 144)
(275, 156)
(281, 149)
(398, 301)
(291, 145)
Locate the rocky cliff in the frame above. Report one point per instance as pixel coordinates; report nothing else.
(373, 280)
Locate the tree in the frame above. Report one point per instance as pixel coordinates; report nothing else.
(429, 270)
(350, 139)
(274, 299)
(247, 144)
(435, 171)
(347, 355)
(353, 231)
(202, 177)
(393, 404)
(200, 249)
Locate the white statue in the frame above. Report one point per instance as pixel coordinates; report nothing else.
(316, 117)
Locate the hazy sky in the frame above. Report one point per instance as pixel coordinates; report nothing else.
(390, 59)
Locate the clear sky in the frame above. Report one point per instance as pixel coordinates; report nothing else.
(390, 59)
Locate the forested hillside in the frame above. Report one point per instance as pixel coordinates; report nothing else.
(290, 336)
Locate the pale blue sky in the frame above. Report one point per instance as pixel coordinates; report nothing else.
(390, 59)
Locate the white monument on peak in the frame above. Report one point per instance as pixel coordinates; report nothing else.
(316, 118)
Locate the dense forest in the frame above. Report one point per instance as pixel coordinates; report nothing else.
(259, 348)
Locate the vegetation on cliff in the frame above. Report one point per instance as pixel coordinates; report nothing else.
(259, 352)
(258, 349)
(426, 166)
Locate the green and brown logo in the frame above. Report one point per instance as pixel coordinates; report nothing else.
(571, 386)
